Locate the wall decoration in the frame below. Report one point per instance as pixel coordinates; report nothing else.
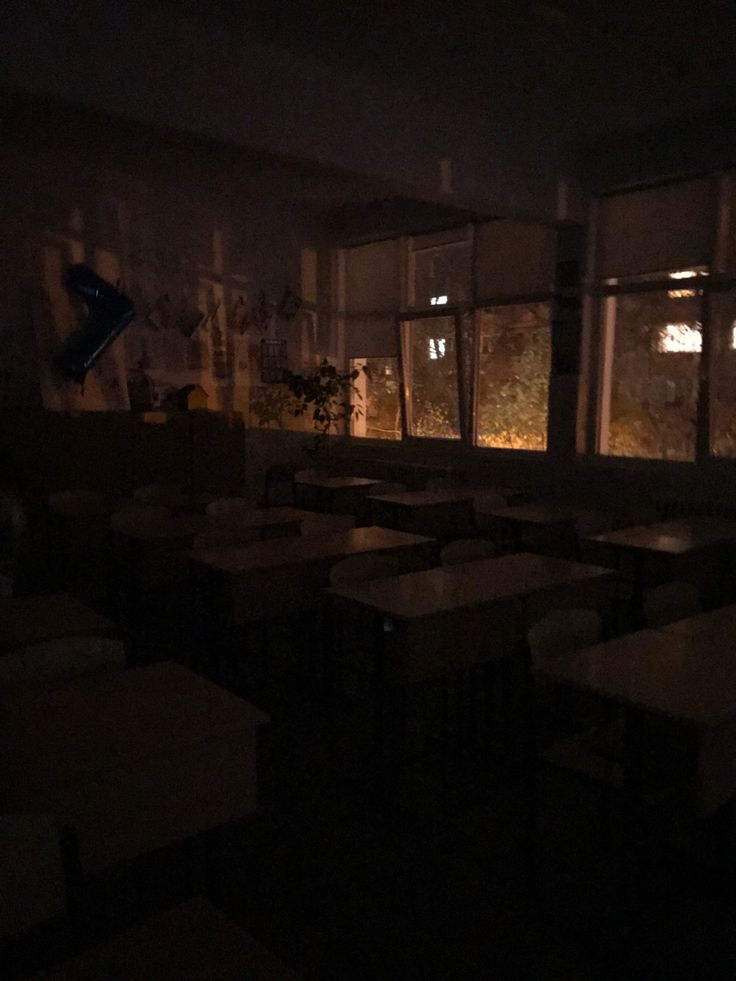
(274, 363)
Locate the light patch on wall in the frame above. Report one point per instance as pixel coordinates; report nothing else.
(680, 339)
(438, 301)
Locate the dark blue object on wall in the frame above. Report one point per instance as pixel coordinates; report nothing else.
(109, 313)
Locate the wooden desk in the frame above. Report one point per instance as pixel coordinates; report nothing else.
(441, 514)
(444, 619)
(716, 626)
(192, 942)
(132, 760)
(276, 522)
(683, 678)
(547, 524)
(28, 620)
(696, 549)
(285, 576)
(339, 495)
(682, 537)
(442, 622)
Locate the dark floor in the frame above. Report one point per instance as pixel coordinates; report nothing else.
(431, 885)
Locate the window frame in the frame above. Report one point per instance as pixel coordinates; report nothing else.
(410, 316)
(720, 279)
(509, 301)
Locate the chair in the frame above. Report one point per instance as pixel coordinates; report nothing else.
(388, 487)
(32, 872)
(279, 484)
(593, 523)
(593, 749)
(223, 533)
(488, 501)
(562, 632)
(363, 568)
(327, 524)
(61, 660)
(139, 517)
(83, 504)
(669, 602)
(229, 505)
(161, 495)
(467, 550)
(438, 484)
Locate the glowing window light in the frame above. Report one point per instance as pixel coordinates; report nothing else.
(733, 336)
(685, 274)
(437, 348)
(680, 339)
(438, 301)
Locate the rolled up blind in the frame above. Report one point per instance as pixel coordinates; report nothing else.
(372, 278)
(656, 229)
(371, 336)
(513, 258)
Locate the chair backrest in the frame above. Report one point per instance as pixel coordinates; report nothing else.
(223, 532)
(139, 517)
(467, 550)
(669, 602)
(229, 505)
(79, 503)
(279, 484)
(488, 501)
(388, 487)
(593, 523)
(363, 568)
(162, 495)
(327, 524)
(32, 874)
(562, 632)
(61, 660)
(443, 484)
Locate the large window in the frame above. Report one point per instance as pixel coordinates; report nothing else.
(431, 377)
(512, 376)
(377, 411)
(650, 368)
(723, 375)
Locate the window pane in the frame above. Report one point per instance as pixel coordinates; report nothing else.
(377, 411)
(514, 357)
(723, 380)
(652, 347)
(442, 275)
(431, 376)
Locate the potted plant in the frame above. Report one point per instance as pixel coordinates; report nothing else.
(328, 394)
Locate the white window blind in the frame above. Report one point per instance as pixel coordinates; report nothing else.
(371, 336)
(513, 258)
(656, 229)
(372, 278)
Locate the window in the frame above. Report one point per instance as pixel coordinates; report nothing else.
(650, 365)
(431, 377)
(440, 270)
(512, 376)
(379, 404)
(723, 374)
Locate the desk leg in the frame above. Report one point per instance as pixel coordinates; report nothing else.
(633, 881)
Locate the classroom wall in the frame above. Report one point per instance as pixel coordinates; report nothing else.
(185, 227)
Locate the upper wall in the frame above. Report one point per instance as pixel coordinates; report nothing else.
(155, 64)
(184, 227)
